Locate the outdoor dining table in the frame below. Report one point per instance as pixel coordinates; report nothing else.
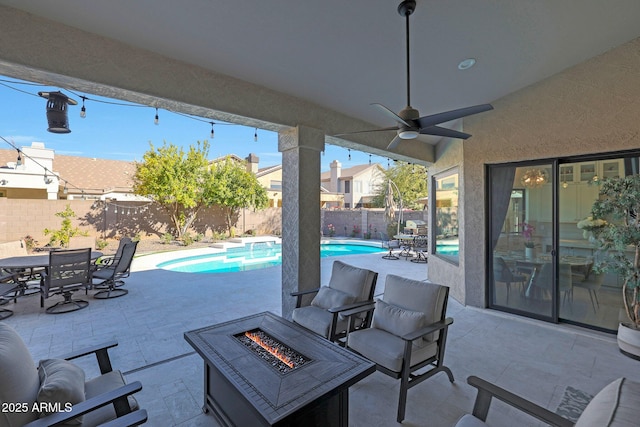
(406, 244)
(33, 261)
(29, 265)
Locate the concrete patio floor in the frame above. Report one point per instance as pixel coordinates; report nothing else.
(532, 358)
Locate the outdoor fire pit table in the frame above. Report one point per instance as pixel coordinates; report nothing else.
(263, 370)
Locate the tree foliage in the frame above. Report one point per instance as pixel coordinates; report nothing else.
(411, 181)
(66, 230)
(233, 187)
(617, 236)
(182, 183)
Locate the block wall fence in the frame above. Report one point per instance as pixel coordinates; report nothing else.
(22, 217)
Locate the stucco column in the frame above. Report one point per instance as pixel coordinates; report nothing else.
(300, 147)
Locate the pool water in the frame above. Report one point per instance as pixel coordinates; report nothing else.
(254, 256)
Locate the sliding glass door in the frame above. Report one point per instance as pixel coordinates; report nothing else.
(521, 239)
(541, 255)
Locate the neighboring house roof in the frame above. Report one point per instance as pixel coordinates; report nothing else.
(86, 173)
(267, 170)
(347, 173)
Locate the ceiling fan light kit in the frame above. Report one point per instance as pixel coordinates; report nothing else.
(409, 123)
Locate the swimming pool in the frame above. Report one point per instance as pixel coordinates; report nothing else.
(254, 256)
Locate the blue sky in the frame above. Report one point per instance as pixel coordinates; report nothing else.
(123, 133)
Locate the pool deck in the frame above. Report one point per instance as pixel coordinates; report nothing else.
(535, 359)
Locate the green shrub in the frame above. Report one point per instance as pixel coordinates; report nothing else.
(187, 239)
(101, 244)
(167, 238)
(66, 231)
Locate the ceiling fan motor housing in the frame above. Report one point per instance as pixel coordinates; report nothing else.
(407, 7)
(409, 115)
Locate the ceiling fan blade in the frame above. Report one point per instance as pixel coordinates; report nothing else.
(439, 131)
(391, 114)
(435, 119)
(367, 131)
(394, 143)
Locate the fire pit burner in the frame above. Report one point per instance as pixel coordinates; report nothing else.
(279, 356)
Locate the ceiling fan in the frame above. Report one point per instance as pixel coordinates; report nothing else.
(409, 123)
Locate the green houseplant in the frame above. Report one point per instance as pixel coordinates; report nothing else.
(617, 238)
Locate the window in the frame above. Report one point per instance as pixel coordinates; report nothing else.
(275, 185)
(347, 187)
(357, 186)
(446, 215)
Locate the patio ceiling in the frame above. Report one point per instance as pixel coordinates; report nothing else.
(340, 56)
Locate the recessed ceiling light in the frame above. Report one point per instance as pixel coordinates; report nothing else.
(465, 64)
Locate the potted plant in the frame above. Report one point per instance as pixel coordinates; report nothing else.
(529, 245)
(617, 238)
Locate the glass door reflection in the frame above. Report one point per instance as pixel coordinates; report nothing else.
(522, 239)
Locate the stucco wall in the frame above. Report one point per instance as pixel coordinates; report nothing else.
(591, 108)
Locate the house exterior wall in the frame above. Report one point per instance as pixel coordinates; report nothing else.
(587, 109)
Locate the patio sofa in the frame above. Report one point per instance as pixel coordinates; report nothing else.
(616, 405)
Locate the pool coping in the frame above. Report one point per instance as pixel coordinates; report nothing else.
(151, 261)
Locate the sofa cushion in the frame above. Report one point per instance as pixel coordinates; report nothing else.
(62, 384)
(329, 298)
(616, 405)
(18, 377)
(397, 320)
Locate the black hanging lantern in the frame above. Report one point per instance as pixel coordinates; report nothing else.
(57, 111)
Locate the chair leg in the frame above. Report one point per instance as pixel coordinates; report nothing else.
(404, 388)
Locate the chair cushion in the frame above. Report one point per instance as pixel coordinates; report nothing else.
(317, 320)
(329, 298)
(616, 405)
(19, 380)
(397, 320)
(102, 384)
(469, 420)
(387, 350)
(350, 279)
(61, 383)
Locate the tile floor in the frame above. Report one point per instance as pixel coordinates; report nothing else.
(535, 359)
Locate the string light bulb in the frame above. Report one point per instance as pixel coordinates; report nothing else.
(369, 159)
(83, 110)
(212, 131)
(156, 121)
(349, 149)
(65, 190)
(255, 135)
(19, 159)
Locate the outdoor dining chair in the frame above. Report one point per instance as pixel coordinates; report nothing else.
(68, 272)
(8, 289)
(111, 276)
(349, 287)
(59, 386)
(408, 333)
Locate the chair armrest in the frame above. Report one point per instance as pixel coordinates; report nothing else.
(132, 419)
(360, 309)
(295, 294)
(434, 327)
(101, 352)
(89, 405)
(343, 308)
(300, 294)
(487, 390)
